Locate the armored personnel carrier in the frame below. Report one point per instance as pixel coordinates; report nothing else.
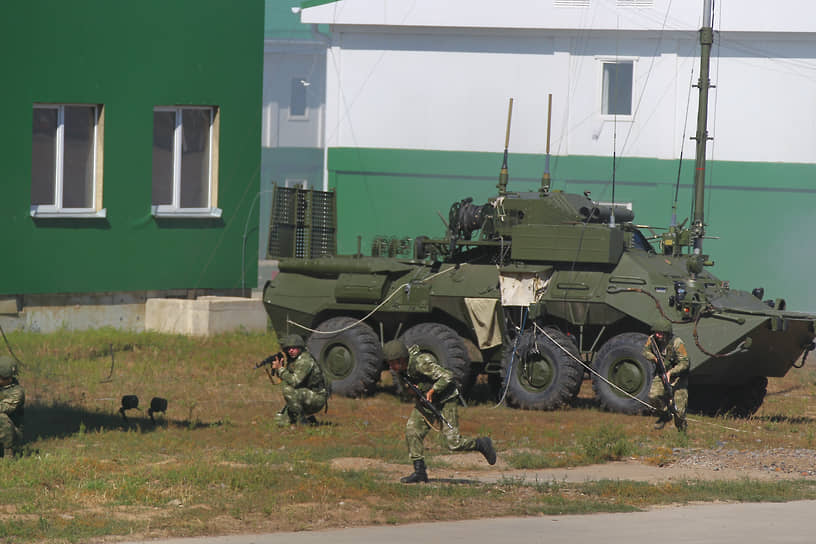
(537, 289)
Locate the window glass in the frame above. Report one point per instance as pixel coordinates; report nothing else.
(617, 88)
(297, 105)
(183, 179)
(78, 157)
(43, 156)
(65, 139)
(164, 123)
(195, 158)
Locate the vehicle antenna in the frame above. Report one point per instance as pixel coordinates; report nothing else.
(503, 176)
(545, 177)
(704, 83)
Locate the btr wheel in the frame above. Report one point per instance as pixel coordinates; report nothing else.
(624, 375)
(447, 347)
(544, 372)
(352, 359)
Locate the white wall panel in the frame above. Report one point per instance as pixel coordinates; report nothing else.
(447, 89)
(279, 130)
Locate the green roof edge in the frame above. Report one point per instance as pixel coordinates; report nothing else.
(312, 3)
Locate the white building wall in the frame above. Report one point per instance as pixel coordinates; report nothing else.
(453, 95)
(764, 106)
(282, 64)
(437, 75)
(521, 14)
(730, 15)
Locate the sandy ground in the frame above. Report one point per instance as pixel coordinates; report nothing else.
(717, 464)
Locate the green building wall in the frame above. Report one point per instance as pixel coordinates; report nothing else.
(130, 57)
(759, 215)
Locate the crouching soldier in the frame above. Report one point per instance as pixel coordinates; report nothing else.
(304, 386)
(12, 401)
(439, 397)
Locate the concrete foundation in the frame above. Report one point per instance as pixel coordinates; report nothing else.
(205, 315)
(184, 312)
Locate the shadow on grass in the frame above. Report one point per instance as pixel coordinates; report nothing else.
(783, 391)
(59, 420)
(457, 481)
(798, 420)
(587, 403)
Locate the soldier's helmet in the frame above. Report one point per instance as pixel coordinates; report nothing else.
(662, 325)
(292, 341)
(8, 367)
(395, 349)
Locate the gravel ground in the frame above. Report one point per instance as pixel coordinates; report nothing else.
(800, 462)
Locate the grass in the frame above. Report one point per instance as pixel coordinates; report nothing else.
(216, 464)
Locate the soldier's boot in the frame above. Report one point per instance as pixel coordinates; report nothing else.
(419, 474)
(484, 445)
(680, 423)
(2, 451)
(309, 420)
(662, 419)
(284, 418)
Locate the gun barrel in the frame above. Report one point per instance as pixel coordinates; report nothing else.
(427, 404)
(269, 360)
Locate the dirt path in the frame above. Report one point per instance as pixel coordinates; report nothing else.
(716, 464)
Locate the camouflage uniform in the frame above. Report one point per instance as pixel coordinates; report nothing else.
(425, 373)
(675, 358)
(304, 388)
(12, 401)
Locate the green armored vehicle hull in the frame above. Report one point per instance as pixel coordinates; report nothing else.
(546, 292)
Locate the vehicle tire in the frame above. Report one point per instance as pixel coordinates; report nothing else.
(541, 375)
(738, 401)
(446, 347)
(620, 361)
(352, 359)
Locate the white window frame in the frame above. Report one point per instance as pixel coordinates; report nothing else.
(616, 60)
(304, 84)
(56, 210)
(174, 209)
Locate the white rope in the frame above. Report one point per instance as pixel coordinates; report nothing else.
(593, 371)
(376, 308)
(509, 376)
(590, 369)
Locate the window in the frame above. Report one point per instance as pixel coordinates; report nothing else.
(616, 92)
(185, 161)
(66, 161)
(297, 103)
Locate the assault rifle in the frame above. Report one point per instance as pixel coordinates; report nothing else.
(664, 377)
(271, 359)
(266, 365)
(426, 403)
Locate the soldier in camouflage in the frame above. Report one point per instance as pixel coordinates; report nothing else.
(675, 358)
(304, 386)
(12, 401)
(439, 388)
